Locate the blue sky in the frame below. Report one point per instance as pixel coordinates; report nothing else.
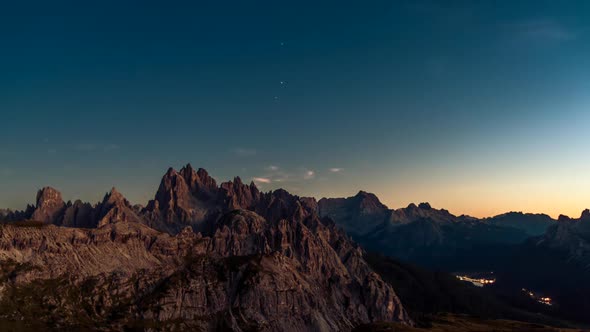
(477, 106)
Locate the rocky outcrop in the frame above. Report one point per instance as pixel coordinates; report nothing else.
(357, 215)
(570, 236)
(49, 206)
(9, 215)
(583, 224)
(78, 214)
(51, 209)
(415, 212)
(191, 198)
(115, 208)
(174, 198)
(200, 184)
(532, 224)
(237, 195)
(185, 198)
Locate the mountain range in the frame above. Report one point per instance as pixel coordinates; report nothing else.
(203, 256)
(198, 256)
(524, 250)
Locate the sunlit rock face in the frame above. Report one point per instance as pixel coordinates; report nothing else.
(49, 206)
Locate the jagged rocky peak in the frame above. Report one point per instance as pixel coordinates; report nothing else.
(283, 195)
(116, 208)
(369, 200)
(177, 188)
(364, 202)
(78, 214)
(199, 182)
(49, 205)
(583, 224)
(184, 198)
(310, 204)
(189, 197)
(237, 195)
(188, 171)
(424, 206)
(47, 195)
(173, 191)
(114, 197)
(357, 215)
(584, 217)
(415, 212)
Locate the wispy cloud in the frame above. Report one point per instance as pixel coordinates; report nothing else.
(262, 180)
(336, 169)
(542, 30)
(111, 147)
(86, 147)
(275, 174)
(244, 152)
(92, 147)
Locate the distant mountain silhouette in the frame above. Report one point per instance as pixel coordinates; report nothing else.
(525, 250)
(532, 224)
(425, 235)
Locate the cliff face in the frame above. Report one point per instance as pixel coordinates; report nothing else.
(261, 261)
(569, 236)
(278, 276)
(50, 205)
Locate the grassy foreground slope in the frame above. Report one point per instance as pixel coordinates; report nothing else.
(460, 323)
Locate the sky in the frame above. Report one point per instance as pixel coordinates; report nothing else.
(479, 107)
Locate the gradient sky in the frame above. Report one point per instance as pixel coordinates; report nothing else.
(479, 107)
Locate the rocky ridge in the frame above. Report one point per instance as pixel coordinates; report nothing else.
(571, 236)
(364, 213)
(426, 235)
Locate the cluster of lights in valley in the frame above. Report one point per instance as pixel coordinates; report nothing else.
(481, 282)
